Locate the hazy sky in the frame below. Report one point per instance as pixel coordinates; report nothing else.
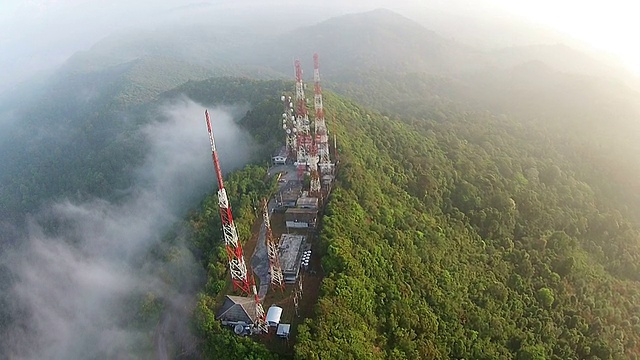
(610, 25)
(36, 33)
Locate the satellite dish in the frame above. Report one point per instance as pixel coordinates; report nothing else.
(282, 98)
(238, 329)
(288, 131)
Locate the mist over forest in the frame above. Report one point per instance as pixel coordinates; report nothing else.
(498, 153)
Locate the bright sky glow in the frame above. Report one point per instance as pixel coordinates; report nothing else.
(612, 26)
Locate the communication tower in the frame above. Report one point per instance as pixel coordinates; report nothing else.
(289, 124)
(320, 128)
(237, 266)
(260, 322)
(304, 139)
(275, 269)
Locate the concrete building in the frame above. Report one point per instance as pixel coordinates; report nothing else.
(291, 247)
(307, 202)
(289, 196)
(297, 218)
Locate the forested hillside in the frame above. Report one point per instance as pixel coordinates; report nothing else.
(468, 237)
(85, 122)
(460, 234)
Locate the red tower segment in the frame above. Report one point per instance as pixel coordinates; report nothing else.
(275, 269)
(321, 134)
(304, 140)
(237, 266)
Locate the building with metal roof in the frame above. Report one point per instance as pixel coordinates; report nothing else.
(237, 310)
(291, 247)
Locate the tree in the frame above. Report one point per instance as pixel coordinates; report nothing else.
(545, 297)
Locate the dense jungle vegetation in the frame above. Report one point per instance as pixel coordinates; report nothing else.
(457, 236)
(469, 237)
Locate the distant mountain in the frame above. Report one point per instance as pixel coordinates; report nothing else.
(379, 39)
(379, 58)
(561, 58)
(215, 49)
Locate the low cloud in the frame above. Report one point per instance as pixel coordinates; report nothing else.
(83, 262)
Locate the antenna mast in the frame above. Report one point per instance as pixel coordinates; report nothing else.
(275, 269)
(237, 266)
(321, 134)
(290, 125)
(304, 139)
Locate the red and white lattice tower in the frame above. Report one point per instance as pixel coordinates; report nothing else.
(260, 322)
(275, 269)
(321, 135)
(314, 185)
(289, 124)
(237, 266)
(304, 140)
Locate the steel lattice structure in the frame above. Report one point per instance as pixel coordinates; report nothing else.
(273, 251)
(290, 126)
(237, 266)
(304, 139)
(320, 128)
(260, 322)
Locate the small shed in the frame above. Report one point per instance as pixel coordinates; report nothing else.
(283, 330)
(280, 158)
(273, 315)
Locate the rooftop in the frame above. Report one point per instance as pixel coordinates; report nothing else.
(307, 202)
(290, 252)
(301, 211)
(237, 308)
(282, 152)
